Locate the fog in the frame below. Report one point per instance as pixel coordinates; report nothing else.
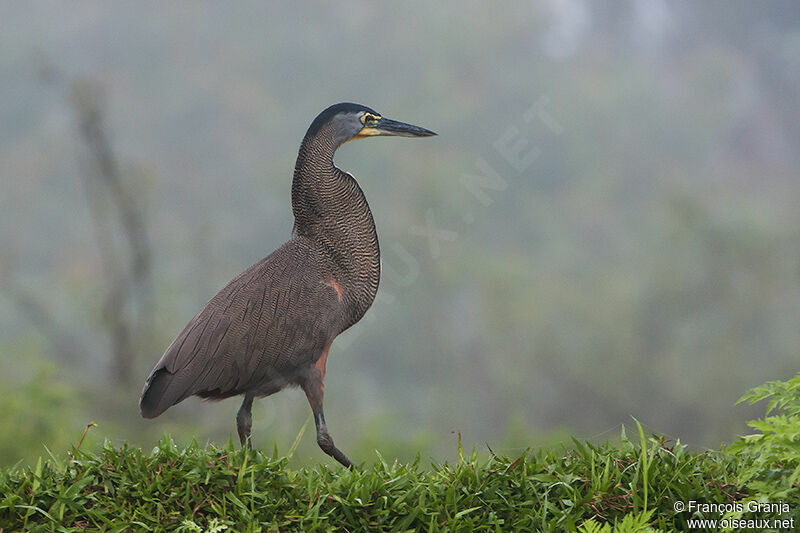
(606, 226)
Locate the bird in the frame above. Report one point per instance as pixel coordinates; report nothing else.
(272, 326)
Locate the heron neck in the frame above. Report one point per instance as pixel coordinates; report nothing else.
(331, 210)
(315, 178)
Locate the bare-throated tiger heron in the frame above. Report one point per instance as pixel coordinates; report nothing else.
(273, 325)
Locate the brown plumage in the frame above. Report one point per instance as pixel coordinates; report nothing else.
(272, 325)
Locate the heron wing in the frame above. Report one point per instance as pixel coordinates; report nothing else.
(270, 320)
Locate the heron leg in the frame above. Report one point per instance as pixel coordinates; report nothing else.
(244, 420)
(314, 388)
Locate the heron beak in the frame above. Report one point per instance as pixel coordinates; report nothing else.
(386, 126)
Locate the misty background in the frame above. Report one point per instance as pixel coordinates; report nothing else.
(606, 226)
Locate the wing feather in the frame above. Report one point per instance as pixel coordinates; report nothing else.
(272, 318)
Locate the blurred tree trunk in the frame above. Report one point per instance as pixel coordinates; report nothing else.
(127, 273)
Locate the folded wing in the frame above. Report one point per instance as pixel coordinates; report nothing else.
(270, 320)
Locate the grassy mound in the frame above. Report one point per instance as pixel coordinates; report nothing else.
(211, 489)
(648, 485)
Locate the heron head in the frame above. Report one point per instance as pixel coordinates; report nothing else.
(347, 121)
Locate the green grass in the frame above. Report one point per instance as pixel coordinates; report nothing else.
(624, 487)
(211, 489)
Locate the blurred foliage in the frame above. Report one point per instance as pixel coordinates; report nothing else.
(40, 411)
